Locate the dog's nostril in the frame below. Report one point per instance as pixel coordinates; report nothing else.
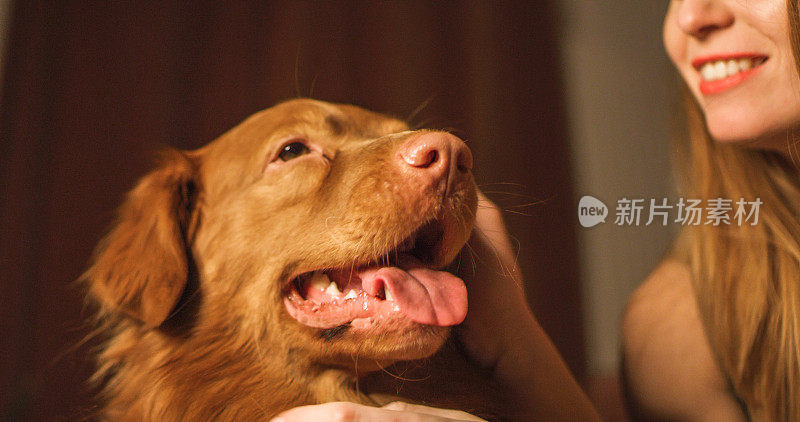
(422, 158)
(464, 160)
(430, 158)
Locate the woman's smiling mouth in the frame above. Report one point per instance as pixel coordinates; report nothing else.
(721, 72)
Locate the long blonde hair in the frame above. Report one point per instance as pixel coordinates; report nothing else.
(747, 278)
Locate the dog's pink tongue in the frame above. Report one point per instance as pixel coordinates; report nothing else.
(426, 296)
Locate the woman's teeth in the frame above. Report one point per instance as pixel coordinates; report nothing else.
(722, 69)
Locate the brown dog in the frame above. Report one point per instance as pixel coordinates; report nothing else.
(275, 266)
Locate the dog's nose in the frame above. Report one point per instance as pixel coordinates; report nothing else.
(438, 154)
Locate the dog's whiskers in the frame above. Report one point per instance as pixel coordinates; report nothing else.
(297, 72)
(399, 377)
(419, 108)
(518, 212)
(503, 183)
(313, 83)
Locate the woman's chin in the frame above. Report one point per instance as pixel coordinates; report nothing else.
(749, 135)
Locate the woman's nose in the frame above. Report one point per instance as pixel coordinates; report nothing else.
(699, 18)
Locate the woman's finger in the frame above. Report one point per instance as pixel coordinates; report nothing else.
(352, 412)
(446, 413)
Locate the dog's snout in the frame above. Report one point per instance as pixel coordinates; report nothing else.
(439, 155)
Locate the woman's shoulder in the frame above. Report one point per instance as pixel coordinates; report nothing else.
(669, 368)
(669, 284)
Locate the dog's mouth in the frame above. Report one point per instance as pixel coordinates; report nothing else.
(398, 286)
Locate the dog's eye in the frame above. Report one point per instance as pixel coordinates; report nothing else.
(293, 150)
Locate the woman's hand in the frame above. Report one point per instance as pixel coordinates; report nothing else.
(495, 287)
(501, 333)
(351, 412)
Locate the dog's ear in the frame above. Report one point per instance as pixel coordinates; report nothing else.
(142, 265)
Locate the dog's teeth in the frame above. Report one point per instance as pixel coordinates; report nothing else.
(320, 280)
(351, 294)
(332, 289)
(388, 294)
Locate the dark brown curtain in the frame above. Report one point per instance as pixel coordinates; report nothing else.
(91, 89)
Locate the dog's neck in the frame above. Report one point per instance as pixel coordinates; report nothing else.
(200, 378)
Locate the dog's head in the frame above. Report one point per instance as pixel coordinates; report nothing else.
(315, 227)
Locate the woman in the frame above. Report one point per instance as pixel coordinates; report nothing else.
(522, 357)
(714, 332)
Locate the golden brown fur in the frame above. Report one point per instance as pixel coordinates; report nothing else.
(188, 282)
